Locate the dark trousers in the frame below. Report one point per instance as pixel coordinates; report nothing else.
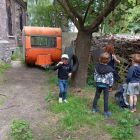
(97, 96)
(63, 87)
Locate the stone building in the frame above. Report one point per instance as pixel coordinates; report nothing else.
(12, 19)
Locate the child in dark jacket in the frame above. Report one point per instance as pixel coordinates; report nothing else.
(103, 75)
(133, 80)
(64, 72)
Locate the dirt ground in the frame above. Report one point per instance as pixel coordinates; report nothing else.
(22, 95)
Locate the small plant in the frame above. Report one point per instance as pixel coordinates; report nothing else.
(53, 80)
(125, 127)
(3, 67)
(20, 130)
(17, 55)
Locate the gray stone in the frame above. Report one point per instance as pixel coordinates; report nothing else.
(9, 43)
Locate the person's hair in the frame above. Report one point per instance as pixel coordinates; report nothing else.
(136, 58)
(109, 49)
(104, 58)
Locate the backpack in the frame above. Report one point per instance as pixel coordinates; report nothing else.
(120, 96)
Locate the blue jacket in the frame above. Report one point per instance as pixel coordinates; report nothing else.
(133, 75)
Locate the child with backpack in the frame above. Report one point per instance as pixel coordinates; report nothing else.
(64, 72)
(103, 76)
(133, 80)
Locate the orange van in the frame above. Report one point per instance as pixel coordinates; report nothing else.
(42, 45)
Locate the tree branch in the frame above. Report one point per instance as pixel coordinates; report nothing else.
(72, 13)
(72, 9)
(104, 13)
(87, 10)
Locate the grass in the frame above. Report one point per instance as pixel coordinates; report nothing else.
(20, 130)
(3, 67)
(77, 114)
(2, 100)
(17, 55)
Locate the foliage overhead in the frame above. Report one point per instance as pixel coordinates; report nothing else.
(87, 15)
(84, 14)
(125, 18)
(44, 13)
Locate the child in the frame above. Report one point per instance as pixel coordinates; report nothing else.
(64, 72)
(103, 76)
(133, 80)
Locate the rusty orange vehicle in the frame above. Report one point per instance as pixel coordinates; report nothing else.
(42, 45)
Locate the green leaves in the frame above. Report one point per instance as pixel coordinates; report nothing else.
(125, 126)
(20, 130)
(124, 19)
(44, 13)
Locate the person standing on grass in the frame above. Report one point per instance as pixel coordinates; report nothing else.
(103, 76)
(133, 80)
(113, 60)
(64, 72)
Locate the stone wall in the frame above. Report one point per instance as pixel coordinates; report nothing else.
(8, 42)
(5, 51)
(3, 19)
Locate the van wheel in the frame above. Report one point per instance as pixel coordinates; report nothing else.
(73, 60)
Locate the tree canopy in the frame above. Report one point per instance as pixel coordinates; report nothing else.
(87, 15)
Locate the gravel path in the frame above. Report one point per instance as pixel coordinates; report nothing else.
(22, 93)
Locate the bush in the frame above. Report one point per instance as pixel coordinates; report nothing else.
(20, 130)
(90, 78)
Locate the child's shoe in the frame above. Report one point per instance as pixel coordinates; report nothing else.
(107, 114)
(134, 108)
(95, 110)
(65, 101)
(60, 100)
(131, 109)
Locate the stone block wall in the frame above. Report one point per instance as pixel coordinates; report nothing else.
(5, 51)
(9, 43)
(3, 20)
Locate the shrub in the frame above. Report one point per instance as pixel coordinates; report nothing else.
(20, 130)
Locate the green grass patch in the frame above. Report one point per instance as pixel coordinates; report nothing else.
(52, 79)
(4, 67)
(17, 55)
(75, 113)
(2, 100)
(20, 130)
(125, 124)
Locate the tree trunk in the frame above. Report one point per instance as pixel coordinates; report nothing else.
(83, 43)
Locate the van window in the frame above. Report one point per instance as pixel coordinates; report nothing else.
(43, 42)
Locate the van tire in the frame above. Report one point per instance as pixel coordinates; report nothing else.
(73, 60)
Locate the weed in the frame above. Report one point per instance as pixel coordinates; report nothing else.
(3, 67)
(2, 100)
(53, 80)
(125, 126)
(20, 130)
(49, 96)
(17, 55)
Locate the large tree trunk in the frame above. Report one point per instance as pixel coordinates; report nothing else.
(83, 43)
